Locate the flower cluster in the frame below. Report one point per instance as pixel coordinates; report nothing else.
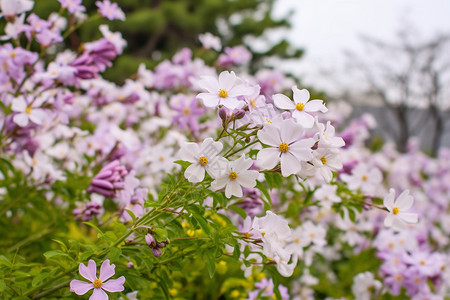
(184, 172)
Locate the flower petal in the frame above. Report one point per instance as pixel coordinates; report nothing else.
(21, 119)
(300, 96)
(411, 218)
(268, 158)
(194, 173)
(389, 220)
(233, 188)
(303, 118)
(80, 287)
(389, 200)
(283, 102)
(404, 201)
(209, 100)
(99, 294)
(209, 83)
(106, 270)
(269, 135)
(189, 152)
(241, 164)
(210, 148)
(315, 105)
(227, 80)
(18, 104)
(289, 164)
(290, 131)
(248, 178)
(89, 272)
(114, 285)
(37, 116)
(302, 149)
(231, 103)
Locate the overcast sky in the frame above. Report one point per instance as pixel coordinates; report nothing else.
(325, 27)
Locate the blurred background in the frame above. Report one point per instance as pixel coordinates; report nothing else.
(387, 57)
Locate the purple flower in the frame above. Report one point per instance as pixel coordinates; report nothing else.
(109, 180)
(97, 283)
(109, 10)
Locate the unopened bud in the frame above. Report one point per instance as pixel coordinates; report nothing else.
(156, 252)
(130, 265)
(239, 114)
(161, 245)
(150, 240)
(223, 113)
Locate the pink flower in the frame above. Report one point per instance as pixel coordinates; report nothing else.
(98, 284)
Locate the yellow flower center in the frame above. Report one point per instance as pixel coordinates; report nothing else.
(233, 176)
(161, 158)
(364, 178)
(268, 121)
(223, 93)
(323, 160)
(395, 210)
(186, 111)
(12, 54)
(28, 110)
(202, 160)
(97, 283)
(252, 103)
(422, 262)
(300, 106)
(283, 147)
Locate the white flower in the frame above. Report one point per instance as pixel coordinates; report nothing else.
(313, 234)
(327, 138)
(26, 112)
(223, 91)
(235, 176)
(365, 286)
(210, 41)
(301, 107)
(286, 147)
(203, 158)
(15, 7)
(398, 215)
(326, 194)
(114, 37)
(327, 161)
(364, 178)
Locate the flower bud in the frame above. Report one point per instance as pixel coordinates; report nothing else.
(150, 240)
(223, 113)
(239, 114)
(156, 252)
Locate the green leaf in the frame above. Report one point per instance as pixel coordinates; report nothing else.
(183, 163)
(55, 254)
(95, 227)
(38, 279)
(210, 262)
(114, 253)
(161, 233)
(239, 210)
(133, 217)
